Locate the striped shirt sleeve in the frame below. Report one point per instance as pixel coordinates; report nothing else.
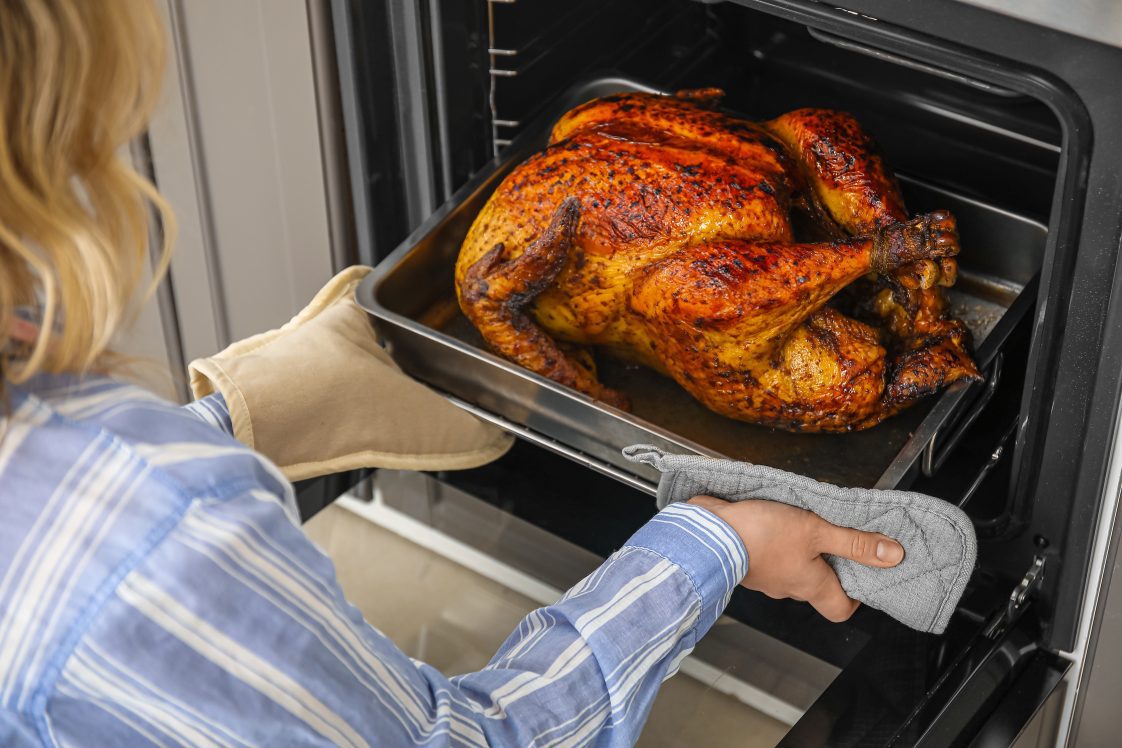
(233, 631)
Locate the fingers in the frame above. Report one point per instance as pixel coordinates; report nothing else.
(828, 597)
(868, 548)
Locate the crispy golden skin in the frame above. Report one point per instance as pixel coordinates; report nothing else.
(664, 231)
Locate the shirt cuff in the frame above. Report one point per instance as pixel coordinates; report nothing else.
(704, 546)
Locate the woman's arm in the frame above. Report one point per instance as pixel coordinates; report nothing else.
(587, 669)
(235, 628)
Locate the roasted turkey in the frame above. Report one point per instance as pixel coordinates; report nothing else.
(770, 268)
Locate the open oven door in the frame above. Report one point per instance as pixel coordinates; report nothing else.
(867, 682)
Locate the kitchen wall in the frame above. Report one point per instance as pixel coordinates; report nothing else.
(237, 148)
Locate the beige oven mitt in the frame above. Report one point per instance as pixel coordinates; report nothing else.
(320, 395)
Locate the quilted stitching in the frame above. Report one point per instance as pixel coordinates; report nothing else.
(938, 538)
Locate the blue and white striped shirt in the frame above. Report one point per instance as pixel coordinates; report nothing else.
(155, 588)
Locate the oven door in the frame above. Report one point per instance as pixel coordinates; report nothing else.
(537, 524)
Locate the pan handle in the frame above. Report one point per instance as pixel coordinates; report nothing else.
(933, 455)
(557, 447)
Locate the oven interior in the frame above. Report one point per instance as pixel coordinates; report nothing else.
(492, 67)
(495, 65)
(971, 137)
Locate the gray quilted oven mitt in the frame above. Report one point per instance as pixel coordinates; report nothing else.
(938, 537)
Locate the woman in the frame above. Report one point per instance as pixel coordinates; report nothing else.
(154, 584)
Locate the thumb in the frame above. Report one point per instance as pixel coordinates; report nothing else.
(868, 548)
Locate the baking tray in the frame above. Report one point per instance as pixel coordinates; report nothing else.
(411, 299)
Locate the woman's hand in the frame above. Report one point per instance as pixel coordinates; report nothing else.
(785, 547)
(320, 395)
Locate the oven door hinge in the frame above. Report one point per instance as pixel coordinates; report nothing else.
(1020, 595)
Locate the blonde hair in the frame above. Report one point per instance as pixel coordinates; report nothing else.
(78, 81)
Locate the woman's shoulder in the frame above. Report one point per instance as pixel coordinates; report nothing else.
(172, 445)
(97, 474)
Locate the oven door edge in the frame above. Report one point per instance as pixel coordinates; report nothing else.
(1003, 694)
(990, 696)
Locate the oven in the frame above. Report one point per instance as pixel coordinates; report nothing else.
(1014, 124)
